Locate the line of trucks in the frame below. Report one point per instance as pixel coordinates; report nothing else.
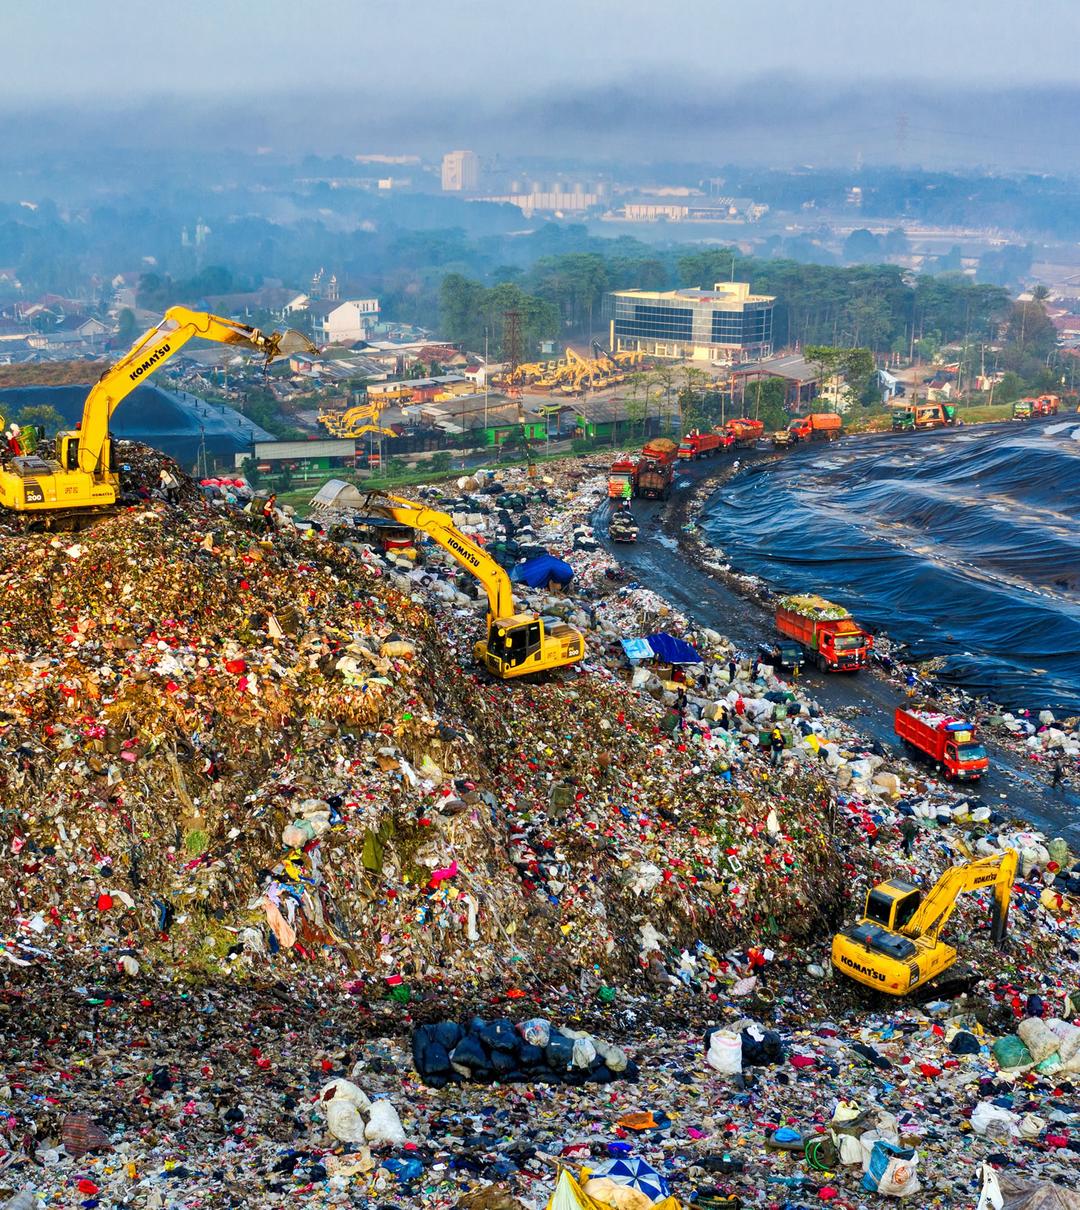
(649, 475)
(828, 637)
(1043, 405)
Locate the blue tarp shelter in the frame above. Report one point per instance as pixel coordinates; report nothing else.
(672, 650)
(541, 570)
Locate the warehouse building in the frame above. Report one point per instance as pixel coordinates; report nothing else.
(724, 325)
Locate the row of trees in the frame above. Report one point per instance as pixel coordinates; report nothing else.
(473, 314)
(871, 306)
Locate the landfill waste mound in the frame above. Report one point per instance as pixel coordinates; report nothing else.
(262, 822)
(220, 745)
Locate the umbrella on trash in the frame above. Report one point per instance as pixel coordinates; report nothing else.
(635, 1173)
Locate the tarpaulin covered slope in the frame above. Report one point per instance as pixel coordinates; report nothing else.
(673, 650)
(541, 570)
(175, 422)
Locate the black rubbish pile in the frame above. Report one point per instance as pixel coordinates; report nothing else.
(533, 1052)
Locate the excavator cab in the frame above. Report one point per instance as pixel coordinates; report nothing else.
(527, 643)
(892, 903)
(513, 645)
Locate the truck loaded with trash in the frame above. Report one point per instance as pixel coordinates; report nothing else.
(949, 743)
(827, 632)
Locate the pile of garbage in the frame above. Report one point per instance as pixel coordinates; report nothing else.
(263, 824)
(533, 1052)
(810, 605)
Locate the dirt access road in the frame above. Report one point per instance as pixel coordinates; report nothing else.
(868, 701)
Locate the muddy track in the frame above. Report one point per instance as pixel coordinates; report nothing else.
(665, 561)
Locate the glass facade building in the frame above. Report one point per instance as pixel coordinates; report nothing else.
(725, 324)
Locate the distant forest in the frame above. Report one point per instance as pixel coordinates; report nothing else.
(455, 267)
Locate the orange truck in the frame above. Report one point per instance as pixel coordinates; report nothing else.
(948, 741)
(818, 426)
(827, 633)
(656, 470)
(696, 444)
(743, 433)
(622, 477)
(1047, 405)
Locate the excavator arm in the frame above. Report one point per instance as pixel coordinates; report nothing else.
(998, 872)
(150, 352)
(439, 526)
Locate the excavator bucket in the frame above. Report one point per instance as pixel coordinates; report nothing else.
(291, 341)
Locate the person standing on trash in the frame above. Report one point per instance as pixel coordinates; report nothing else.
(909, 830)
(776, 743)
(168, 484)
(732, 668)
(269, 511)
(680, 708)
(1057, 774)
(723, 718)
(740, 706)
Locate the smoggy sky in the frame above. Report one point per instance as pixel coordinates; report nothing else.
(96, 47)
(964, 81)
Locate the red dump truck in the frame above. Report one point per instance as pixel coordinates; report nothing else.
(948, 741)
(818, 426)
(656, 470)
(1047, 405)
(622, 477)
(696, 445)
(831, 638)
(743, 433)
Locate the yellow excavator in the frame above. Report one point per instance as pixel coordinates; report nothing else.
(897, 947)
(83, 479)
(517, 643)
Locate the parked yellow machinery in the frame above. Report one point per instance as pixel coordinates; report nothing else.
(356, 421)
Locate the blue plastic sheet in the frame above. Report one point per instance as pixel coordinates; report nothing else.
(637, 650)
(541, 570)
(672, 650)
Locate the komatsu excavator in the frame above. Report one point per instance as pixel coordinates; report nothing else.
(83, 480)
(517, 643)
(896, 946)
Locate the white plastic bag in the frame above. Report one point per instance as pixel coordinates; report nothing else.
(384, 1125)
(892, 1171)
(344, 1106)
(990, 1198)
(536, 1031)
(725, 1053)
(1038, 1037)
(994, 1121)
(584, 1052)
(851, 1151)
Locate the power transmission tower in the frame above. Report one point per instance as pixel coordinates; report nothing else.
(512, 351)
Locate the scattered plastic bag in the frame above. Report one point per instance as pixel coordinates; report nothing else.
(892, 1171)
(344, 1106)
(994, 1121)
(725, 1052)
(384, 1125)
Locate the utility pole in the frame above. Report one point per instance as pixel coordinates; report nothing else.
(486, 375)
